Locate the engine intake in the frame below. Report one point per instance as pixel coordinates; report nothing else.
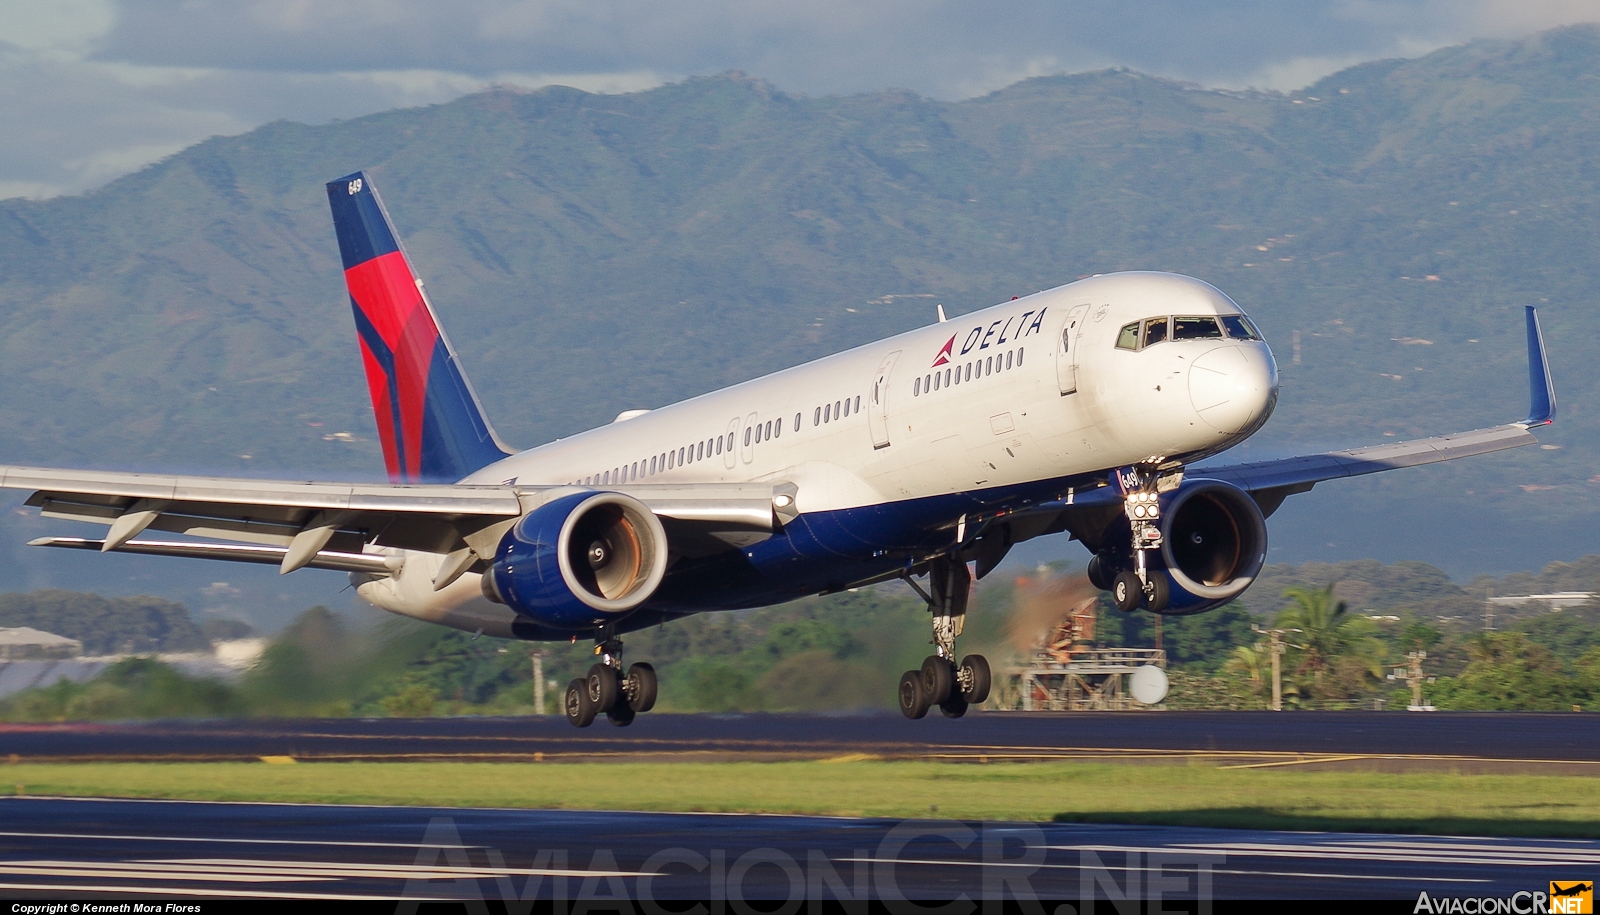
(579, 559)
(1214, 544)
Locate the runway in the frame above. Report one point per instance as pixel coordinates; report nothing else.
(1549, 743)
(174, 849)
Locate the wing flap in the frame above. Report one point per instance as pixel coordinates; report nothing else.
(336, 560)
(437, 499)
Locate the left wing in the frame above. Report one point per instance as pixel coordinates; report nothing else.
(332, 525)
(301, 519)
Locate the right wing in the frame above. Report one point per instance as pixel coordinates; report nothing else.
(1085, 512)
(1270, 482)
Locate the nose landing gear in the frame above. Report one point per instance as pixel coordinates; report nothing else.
(952, 687)
(1139, 585)
(608, 690)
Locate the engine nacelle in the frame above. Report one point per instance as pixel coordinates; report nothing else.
(579, 560)
(1214, 542)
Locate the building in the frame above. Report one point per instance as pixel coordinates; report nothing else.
(25, 644)
(1555, 601)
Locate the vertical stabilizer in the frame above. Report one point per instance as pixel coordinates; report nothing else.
(429, 420)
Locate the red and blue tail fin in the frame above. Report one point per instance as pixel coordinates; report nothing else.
(432, 427)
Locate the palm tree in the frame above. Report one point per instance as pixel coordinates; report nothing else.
(1252, 661)
(1327, 632)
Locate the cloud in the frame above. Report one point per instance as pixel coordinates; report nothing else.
(932, 46)
(941, 48)
(75, 124)
(1459, 20)
(90, 89)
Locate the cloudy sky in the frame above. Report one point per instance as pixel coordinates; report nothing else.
(94, 89)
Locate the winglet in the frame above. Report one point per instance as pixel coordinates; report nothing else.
(1541, 392)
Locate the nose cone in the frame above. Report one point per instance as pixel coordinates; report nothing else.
(1234, 387)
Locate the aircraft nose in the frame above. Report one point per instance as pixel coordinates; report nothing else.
(1233, 388)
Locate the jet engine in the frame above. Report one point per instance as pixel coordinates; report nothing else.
(1214, 541)
(1213, 544)
(579, 560)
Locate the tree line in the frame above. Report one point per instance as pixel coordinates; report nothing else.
(846, 651)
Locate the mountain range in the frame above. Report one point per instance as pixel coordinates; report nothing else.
(596, 253)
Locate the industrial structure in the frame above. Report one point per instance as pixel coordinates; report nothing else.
(1069, 673)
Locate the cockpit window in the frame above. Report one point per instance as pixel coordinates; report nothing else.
(1155, 330)
(1200, 328)
(1128, 337)
(1240, 328)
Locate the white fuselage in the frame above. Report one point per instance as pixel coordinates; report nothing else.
(1044, 392)
(993, 428)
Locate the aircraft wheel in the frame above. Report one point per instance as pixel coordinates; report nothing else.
(640, 688)
(1097, 573)
(622, 715)
(603, 688)
(913, 702)
(1160, 593)
(938, 677)
(953, 707)
(1127, 592)
(974, 678)
(580, 711)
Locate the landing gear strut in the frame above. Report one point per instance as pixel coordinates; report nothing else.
(943, 682)
(1141, 586)
(608, 690)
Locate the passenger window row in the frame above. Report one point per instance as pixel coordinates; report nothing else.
(1151, 331)
(660, 463)
(711, 447)
(955, 375)
(772, 428)
(829, 412)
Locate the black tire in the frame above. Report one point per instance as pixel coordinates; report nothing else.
(580, 711)
(974, 673)
(603, 688)
(640, 688)
(1160, 593)
(938, 679)
(953, 707)
(913, 702)
(1097, 573)
(1127, 592)
(622, 715)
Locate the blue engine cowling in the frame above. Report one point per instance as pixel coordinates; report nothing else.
(579, 560)
(1214, 542)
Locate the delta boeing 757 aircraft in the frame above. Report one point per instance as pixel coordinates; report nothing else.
(923, 456)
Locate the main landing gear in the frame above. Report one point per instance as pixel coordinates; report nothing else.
(941, 681)
(608, 690)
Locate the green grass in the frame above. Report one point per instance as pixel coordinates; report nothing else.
(1528, 805)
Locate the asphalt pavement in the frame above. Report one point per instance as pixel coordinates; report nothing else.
(1556, 743)
(55, 848)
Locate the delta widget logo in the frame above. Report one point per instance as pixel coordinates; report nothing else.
(999, 332)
